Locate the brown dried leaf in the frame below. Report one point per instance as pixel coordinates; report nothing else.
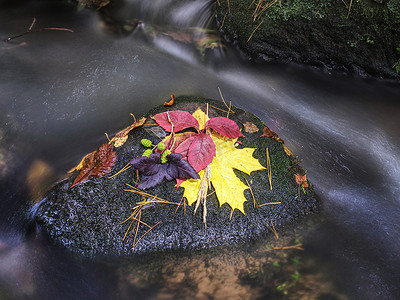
(80, 165)
(120, 138)
(97, 164)
(170, 102)
(269, 133)
(250, 127)
(301, 180)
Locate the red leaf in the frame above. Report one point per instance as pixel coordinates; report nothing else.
(183, 147)
(178, 118)
(224, 126)
(97, 164)
(201, 151)
(178, 139)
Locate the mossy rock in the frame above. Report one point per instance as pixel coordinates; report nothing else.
(323, 33)
(87, 218)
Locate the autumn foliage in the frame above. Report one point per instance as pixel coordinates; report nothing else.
(96, 164)
(198, 148)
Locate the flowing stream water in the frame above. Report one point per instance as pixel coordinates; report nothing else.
(61, 91)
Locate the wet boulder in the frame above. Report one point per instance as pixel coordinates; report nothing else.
(361, 37)
(108, 216)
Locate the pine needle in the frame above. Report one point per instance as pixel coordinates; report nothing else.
(269, 170)
(231, 214)
(254, 31)
(252, 195)
(219, 108)
(297, 247)
(137, 177)
(179, 204)
(348, 13)
(144, 194)
(156, 134)
(137, 229)
(226, 105)
(270, 203)
(273, 229)
(126, 232)
(134, 246)
(126, 167)
(223, 20)
(137, 214)
(210, 193)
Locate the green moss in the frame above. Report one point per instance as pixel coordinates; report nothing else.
(297, 8)
(318, 32)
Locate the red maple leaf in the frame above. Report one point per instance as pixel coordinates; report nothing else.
(97, 164)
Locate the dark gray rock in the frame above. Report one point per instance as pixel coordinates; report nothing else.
(324, 34)
(86, 219)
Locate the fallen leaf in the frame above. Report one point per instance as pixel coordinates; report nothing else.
(301, 180)
(201, 151)
(96, 164)
(228, 188)
(269, 133)
(170, 102)
(224, 126)
(154, 172)
(179, 119)
(201, 117)
(80, 165)
(177, 139)
(250, 127)
(120, 138)
(198, 150)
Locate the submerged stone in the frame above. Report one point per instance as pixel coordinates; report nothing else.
(87, 219)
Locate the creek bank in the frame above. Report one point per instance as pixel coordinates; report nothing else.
(364, 40)
(87, 218)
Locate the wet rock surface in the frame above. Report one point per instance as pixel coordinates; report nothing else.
(87, 218)
(363, 39)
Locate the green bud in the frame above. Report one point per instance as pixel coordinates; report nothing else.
(161, 146)
(147, 143)
(147, 153)
(164, 156)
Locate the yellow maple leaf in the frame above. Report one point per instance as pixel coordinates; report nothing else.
(228, 187)
(201, 117)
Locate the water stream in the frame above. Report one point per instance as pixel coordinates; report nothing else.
(61, 91)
